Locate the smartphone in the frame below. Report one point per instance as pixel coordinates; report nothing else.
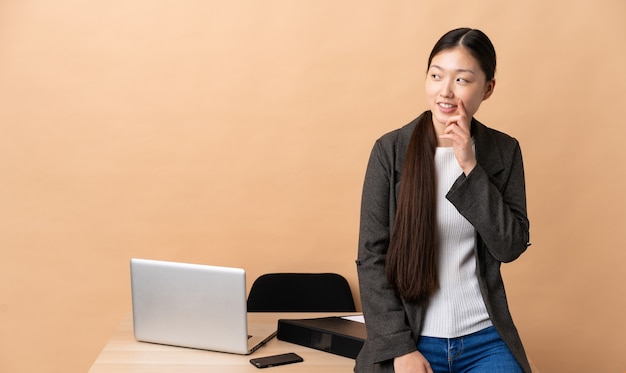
(272, 361)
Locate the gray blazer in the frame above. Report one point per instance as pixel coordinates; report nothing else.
(492, 198)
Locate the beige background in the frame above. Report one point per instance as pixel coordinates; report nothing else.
(237, 132)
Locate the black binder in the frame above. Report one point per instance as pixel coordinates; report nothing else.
(331, 334)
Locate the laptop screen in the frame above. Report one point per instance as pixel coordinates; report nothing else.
(189, 305)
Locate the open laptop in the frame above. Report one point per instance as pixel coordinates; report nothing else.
(193, 305)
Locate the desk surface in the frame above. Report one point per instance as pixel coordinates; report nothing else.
(123, 354)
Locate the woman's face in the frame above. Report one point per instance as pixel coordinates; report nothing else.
(454, 75)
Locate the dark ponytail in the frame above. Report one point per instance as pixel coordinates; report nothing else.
(412, 256)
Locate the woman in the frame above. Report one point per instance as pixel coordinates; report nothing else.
(444, 204)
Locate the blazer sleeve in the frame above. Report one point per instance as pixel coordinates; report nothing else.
(388, 333)
(495, 204)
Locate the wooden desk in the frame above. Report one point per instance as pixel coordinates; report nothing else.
(123, 354)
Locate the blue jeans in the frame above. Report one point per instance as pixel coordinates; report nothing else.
(483, 351)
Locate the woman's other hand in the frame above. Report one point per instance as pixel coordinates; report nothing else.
(413, 362)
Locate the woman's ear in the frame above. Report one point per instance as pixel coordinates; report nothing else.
(491, 85)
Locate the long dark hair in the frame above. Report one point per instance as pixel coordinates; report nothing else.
(412, 257)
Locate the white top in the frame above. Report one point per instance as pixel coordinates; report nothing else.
(457, 308)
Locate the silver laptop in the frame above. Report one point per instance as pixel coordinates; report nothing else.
(193, 305)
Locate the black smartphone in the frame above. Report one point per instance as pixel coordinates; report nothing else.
(272, 361)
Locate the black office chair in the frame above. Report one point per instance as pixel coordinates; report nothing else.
(301, 292)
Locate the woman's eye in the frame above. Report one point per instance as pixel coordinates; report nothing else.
(435, 76)
(462, 81)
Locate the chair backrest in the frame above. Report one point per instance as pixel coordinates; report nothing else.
(301, 292)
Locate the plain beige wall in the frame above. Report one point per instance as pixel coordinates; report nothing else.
(237, 133)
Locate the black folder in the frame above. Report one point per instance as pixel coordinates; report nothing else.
(335, 334)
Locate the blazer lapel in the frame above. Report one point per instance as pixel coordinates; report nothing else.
(487, 149)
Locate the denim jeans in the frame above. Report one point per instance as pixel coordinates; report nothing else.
(483, 351)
